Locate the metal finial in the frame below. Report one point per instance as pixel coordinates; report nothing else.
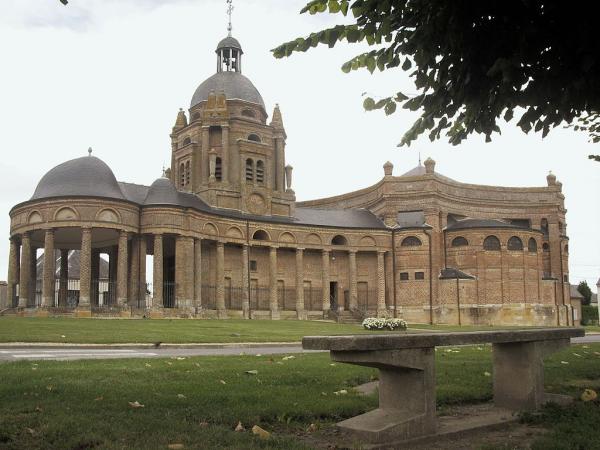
(90, 151)
(230, 9)
(419, 158)
(164, 172)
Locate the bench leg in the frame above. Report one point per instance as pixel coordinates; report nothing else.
(406, 395)
(519, 373)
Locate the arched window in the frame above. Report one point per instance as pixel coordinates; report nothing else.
(218, 169)
(532, 245)
(544, 226)
(515, 243)
(491, 243)
(260, 235)
(411, 241)
(187, 141)
(188, 173)
(545, 247)
(260, 172)
(339, 240)
(254, 137)
(248, 113)
(459, 242)
(249, 170)
(182, 175)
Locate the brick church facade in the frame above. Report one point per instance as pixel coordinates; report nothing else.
(229, 240)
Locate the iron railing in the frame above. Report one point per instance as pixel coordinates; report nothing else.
(313, 299)
(286, 299)
(260, 298)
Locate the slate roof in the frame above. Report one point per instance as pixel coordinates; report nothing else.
(229, 42)
(481, 223)
(574, 292)
(74, 264)
(235, 85)
(453, 273)
(85, 176)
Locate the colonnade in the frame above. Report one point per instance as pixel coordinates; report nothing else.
(128, 268)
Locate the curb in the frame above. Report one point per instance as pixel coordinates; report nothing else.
(151, 346)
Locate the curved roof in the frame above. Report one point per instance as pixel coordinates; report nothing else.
(415, 172)
(235, 85)
(85, 176)
(481, 223)
(162, 192)
(229, 42)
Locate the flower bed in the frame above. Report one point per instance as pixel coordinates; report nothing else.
(374, 323)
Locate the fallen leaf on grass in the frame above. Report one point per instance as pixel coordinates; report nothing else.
(62, 336)
(341, 392)
(252, 372)
(585, 346)
(577, 354)
(31, 431)
(222, 381)
(197, 364)
(39, 409)
(136, 404)
(147, 365)
(97, 399)
(258, 354)
(487, 374)
(332, 365)
(324, 394)
(181, 396)
(263, 434)
(279, 362)
(203, 424)
(169, 363)
(285, 358)
(175, 446)
(311, 428)
(239, 428)
(589, 395)
(49, 387)
(180, 358)
(564, 362)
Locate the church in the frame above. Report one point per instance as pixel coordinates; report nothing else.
(224, 236)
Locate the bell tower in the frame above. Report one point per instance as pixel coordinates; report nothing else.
(227, 153)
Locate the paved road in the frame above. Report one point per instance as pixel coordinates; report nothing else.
(65, 353)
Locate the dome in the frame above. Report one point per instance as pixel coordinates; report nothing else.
(234, 84)
(162, 192)
(229, 42)
(85, 176)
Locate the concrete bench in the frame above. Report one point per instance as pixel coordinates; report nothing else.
(406, 364)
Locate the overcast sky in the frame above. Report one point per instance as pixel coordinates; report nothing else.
(112, 74)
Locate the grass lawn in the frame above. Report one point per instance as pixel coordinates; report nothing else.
(197, 402)
(115, 331)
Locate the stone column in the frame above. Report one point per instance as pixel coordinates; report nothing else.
(326, 293)
(381, 309)
(64, 278)
(13, 270)
(273, 283)
(184, 271)
(25, 272)
(198, 273)
(142, 278)
(353, 281)
(245, 287)
(225, 161)
(122, 275)
(205, 149)
(157, 281)
(221, 311)
(85, 268)
(134, 272)
(33, 277)
(300, 311)
(95, 285)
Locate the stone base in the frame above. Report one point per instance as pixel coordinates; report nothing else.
(83, 312)
(275, 315)
(384, 425)
(222, 314)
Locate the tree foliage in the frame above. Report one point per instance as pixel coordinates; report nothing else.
(474, 63)
(585, 290)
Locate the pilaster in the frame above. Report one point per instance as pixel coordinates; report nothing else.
(381, 309)
(353, 281)
(301, 313)
(122, 275)
(325, 281)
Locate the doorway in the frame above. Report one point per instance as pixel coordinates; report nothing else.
(333, 295)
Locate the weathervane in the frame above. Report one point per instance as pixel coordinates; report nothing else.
(229, 13)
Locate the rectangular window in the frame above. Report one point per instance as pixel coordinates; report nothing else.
(253, 266)
(403, 276)
(419, 275)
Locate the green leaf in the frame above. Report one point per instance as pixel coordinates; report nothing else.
(390, 108)
(369, 104)
(407, 64)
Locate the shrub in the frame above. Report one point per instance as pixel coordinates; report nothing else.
(589, 315)
(375, 323)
